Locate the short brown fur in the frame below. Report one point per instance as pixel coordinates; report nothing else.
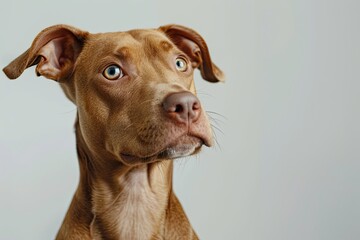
(127, 129)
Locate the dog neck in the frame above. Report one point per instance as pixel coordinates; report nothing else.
(114, 201)
(132, 203)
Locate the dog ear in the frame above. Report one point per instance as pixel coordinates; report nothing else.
(193, 45)
(54, 51)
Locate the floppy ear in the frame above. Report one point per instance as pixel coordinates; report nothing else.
(54, 51)
(193, 45)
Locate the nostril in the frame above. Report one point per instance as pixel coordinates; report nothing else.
(196, 106)
(179, 108)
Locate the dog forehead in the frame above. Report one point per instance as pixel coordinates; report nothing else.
(150, 40)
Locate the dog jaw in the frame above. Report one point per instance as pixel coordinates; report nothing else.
(182, 147)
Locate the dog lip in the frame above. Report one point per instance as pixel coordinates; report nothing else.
(207, 142)
(170, 151)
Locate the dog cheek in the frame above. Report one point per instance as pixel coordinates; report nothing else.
(150, 133)
(69, 90)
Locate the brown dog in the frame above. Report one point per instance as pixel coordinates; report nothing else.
(137, 108)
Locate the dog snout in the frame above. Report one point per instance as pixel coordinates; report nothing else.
(182, 107)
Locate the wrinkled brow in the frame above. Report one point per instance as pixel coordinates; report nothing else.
(166, 46)
(123, 53)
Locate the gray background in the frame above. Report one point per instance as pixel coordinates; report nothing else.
(287, 165)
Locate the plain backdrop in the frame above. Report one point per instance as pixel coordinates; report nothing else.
(287, 119)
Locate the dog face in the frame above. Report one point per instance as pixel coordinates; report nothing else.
(134, 90)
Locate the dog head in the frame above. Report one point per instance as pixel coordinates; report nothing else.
(134, 90)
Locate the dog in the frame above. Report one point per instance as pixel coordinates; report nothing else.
(136, 111)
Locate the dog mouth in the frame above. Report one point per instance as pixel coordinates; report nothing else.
(182, 147)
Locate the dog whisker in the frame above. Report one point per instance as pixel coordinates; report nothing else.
(218, 129)
(200, 92)
(70, 111)
(217, 114)
(147, 101)
(215, 136)
(215, 121)
(127, 127)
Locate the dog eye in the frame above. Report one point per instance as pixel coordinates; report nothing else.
(113, 72)
(181, 64)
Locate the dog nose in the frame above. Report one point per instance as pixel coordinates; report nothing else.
(183, 107)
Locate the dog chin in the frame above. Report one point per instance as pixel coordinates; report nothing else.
(176, 150)
(179, 151)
